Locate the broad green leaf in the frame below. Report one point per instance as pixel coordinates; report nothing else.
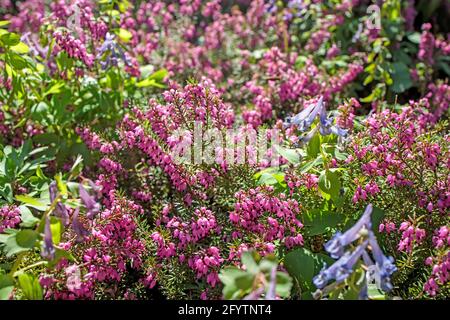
(303, 265)
(4, 23)
(249, 262)
(32, 202)
(26, 238)
(10, 39)
(318, 221)
(159, 75)
(290, 155)
(401, 77)
(6, 286)
(284, 284)
(124, 35)
(245, 281)
(330, 184)
(313, 147)
(28, 220)
(20, 48)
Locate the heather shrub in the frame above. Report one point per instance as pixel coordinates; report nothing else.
(224, 149)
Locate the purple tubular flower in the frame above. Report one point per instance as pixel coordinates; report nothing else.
(271, 292)
(327, 127)
(60, 210)
(364, 293)
(48, 250)
(78, 227)
(254, 295)
(89, 202)
(384, 266)
(336, 246)
(305, 119)
(113, 52)
(341, 269)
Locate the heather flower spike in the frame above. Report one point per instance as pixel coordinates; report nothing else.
(89, 202)
(60, 210)
(48, 250)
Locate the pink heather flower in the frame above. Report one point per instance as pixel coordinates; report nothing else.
(9, 217)
(426, 45)
(411, 235)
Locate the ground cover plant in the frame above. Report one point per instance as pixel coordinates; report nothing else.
(224, 149)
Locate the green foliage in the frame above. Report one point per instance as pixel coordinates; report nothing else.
(238, 282)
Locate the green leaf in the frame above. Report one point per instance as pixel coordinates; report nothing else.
(26, 238)
(317, 221)
(374, 293)
(330, 184)
(20, 48)
(149, 82)
(56, 227)
(28, 220)
(54, 89)
(303, 265)
(290, 155)
(10, 39)
(245, 281)
(6, 286)
(61, 185)
(401, 77)
(124, 34)
(12, 247)
(17, 61)
(31, 202)
(284, 284)
(4, 23)
(249, 262)
(159, 75)
(30, 286)
(267, 179)
(228, 276)
(313, 148)
(414, 37)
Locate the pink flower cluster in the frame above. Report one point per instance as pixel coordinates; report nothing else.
(202, 224)
(207, 264)
(346, 113)
(267, 216)
(308, 180)
(74, 48)
(362, 193)
(106, 255)
(411, 236)
(9, 217)
(440, 274)
(394, 150)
